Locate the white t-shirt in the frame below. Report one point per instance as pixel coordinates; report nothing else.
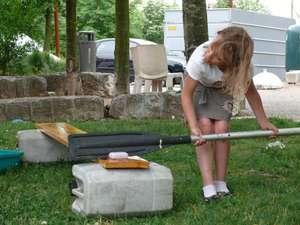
(208, 75)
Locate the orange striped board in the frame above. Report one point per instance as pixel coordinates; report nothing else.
(132, 162)
(59, 131)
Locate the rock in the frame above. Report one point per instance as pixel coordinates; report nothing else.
(99, 84)
(146, 105)
(22, 86)
(56, 83)
(52, 109)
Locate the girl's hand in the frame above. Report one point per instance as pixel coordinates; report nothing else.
(197, 132)
(267, 125)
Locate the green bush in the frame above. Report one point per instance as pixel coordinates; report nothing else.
(36, 63)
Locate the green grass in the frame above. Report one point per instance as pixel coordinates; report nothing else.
(266, 183)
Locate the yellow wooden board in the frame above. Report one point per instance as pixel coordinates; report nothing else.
(58, 131)
(132, 162)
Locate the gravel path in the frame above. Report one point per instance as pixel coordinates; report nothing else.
(284, 102)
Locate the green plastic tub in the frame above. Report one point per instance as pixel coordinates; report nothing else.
(9, 158)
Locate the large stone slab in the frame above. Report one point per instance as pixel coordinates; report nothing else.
(39, 148)
(93, 109)
(52, 109)
(16, 109)
(56, 83)
(147, 105)
(22, 86)
(99, 84)
(122, 191)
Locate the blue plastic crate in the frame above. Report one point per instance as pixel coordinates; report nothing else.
(9, 158)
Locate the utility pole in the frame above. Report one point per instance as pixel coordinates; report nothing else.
(230, 3)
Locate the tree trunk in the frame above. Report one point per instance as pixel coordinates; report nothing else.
(56, 28)
(72, 82)
(195, 24)
(47, 40)
(122, 46)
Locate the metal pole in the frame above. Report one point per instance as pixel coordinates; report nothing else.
(248, 134)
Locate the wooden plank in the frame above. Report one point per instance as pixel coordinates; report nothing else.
(132, 162)
(58, 131)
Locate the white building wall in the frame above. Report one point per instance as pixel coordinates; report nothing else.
(268, 33)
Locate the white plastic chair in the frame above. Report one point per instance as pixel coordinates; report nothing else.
(150, 63)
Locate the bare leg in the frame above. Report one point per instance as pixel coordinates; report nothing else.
(222, 150)
(205, 153)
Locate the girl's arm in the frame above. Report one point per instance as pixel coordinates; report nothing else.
(257, 107)
(188, 107)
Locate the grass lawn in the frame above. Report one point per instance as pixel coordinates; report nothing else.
(266, 183)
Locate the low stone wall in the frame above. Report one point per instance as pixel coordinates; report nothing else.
(147, 105)
(22, 86)
(50, 109)
(98, 84)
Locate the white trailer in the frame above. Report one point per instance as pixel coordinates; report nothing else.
(268, 33)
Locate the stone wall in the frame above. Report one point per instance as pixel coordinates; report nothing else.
(50, 109)
(146, 105)
(22, 86)
(98, 84)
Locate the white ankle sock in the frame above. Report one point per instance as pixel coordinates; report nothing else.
(209, 190)
(221, 186)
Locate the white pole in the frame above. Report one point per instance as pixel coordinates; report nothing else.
(248, 134)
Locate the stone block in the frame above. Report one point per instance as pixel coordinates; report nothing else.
(63, 108)
(122, 191)
(88, 108)
(99, 84)
(172, 105)
(146, 105)
(56, 83)
(7, 87)
(39, 148)
(18, 109)
(42, 110)
(35, 86)
(2, 111)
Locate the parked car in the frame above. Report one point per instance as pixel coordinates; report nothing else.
(105, 57)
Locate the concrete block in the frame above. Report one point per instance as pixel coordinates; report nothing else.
(39, 148)
(117, 192)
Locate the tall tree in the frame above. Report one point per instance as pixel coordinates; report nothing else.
(153, 25)
(17, 18)
(98, 16)
(48, 18)
(122, 46)
(56, 28)
(72, 82)
(195, 24)
(250, 5)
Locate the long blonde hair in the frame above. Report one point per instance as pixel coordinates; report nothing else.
(233, 48)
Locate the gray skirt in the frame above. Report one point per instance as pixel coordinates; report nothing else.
(212, 103)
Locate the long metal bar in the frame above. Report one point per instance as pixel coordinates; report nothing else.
(248, 134)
